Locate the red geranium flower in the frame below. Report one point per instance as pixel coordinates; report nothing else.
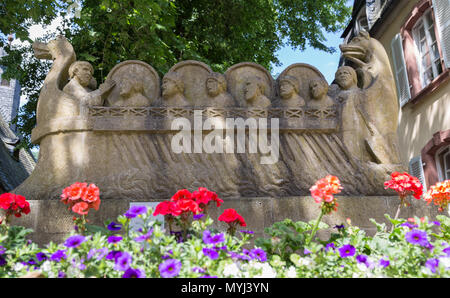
(14, 204)
(405, 184)
(182, 194)
(230, 216)
(439, 194)
(81, 208)
(324, 191)
(203, 197)
(79, 193)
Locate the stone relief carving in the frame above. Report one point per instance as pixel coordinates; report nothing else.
(250, 84)
(319, 94)
(137, 85)
(124, 146)
(289, 92)
(216, 87)
(173, 91)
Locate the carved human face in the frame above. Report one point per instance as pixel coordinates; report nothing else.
(213, 88)
(345, 78)
(317, 89)
(169, 88)
(83, 74)
(286, 90)
(251, 90)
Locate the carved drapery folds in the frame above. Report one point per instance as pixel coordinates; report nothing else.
(119, 135)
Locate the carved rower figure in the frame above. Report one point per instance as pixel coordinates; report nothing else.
(254, 89)
(82, 83)
(132, 92)
(319, 89)
(216, 87)
(173, 91)
(289, 92)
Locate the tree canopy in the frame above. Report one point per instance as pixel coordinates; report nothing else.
(161, 33)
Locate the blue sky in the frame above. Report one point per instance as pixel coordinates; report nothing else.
(325, 62)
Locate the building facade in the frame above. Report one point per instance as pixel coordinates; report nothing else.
(416, 36)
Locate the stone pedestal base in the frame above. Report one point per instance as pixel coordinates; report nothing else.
(51, 221)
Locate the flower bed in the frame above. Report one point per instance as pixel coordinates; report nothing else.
(190, 247)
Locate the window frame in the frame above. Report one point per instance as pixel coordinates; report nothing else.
(417, 90)
(422, 21)
(443, 172)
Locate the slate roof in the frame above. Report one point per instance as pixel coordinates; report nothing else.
(15, 164)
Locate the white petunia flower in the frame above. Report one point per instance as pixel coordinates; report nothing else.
(291, 273)
(231, 270)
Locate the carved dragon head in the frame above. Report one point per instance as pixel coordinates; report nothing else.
(59, 47)
(358, 50)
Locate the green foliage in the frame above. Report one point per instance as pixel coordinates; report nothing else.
(163, 32)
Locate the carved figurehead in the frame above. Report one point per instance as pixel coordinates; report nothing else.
(216, 87)
(289, 92)
(254, 89)
(380, 105)
(173, 91)
(319, 94)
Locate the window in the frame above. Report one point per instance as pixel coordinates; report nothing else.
(420, 50)
(443, 163)
(428, 58)
(4, 83)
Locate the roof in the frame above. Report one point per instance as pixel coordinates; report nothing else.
(16, 164)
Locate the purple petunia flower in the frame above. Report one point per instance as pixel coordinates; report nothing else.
(432, 264)
(306, 251)
(247, 232)
(208, 238)
(58, 256)
(74, 241)
(31, 262)
(347, 251)
(408, 225)
(211, 253)
(2, 250)
(61, 274)
(436, 223)
(40, 256)
(144, 237)
(446, 251)
(247, 255)
(113, 226)
(330, 246)
(198, 216)
(208, 276)
(2, 261)
(259, 254)
(339, 227)
(363, 259)
(113, 255)
(384, 263)
(169, 268)
(198, 270)
(123, 262)
(134, 273)
(135, 211)
(417, 237)
(114, 239)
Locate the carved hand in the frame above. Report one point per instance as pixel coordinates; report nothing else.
(107, 86)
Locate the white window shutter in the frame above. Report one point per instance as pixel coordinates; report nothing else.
(401, 76)
(416, 170)
(442, 16)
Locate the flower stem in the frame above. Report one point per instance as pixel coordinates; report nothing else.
(316, 225)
